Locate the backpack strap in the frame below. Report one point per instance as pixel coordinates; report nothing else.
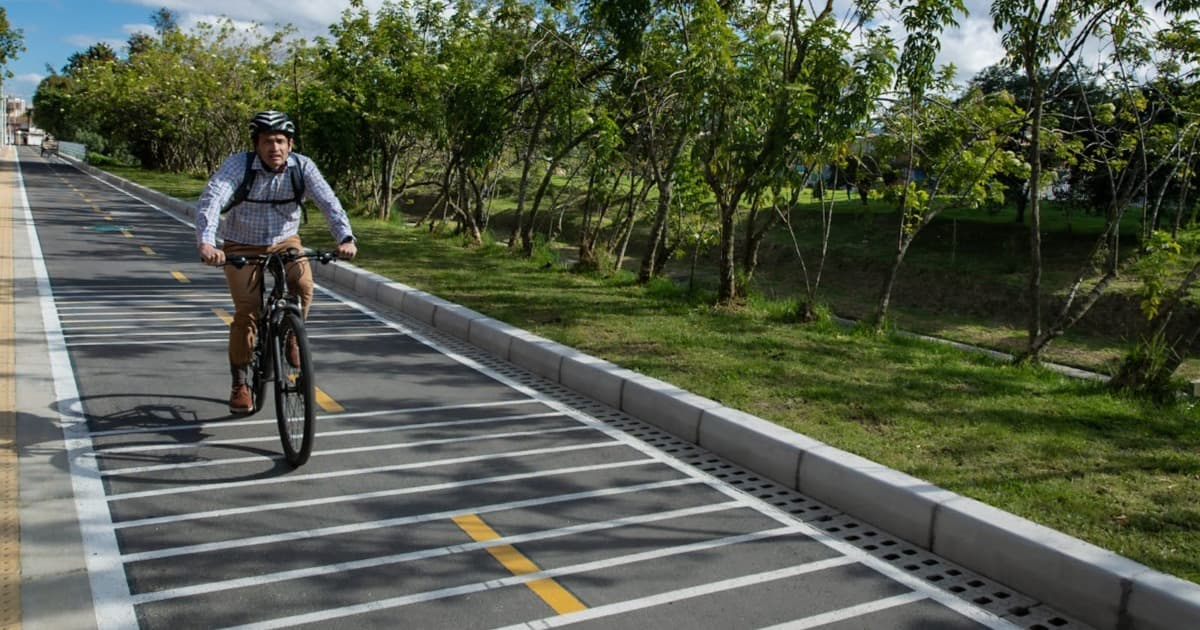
(298, 188)
(242, 192)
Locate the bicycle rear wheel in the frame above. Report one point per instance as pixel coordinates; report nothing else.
(295, 406)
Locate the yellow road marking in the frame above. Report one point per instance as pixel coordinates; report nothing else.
(149, 252)
(127, 233)
(224, 315)
(325, 402)
(10, 545)
(551, 592)
(178, 275)
(108, 217)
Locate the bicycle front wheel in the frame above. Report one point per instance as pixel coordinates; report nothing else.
(295, 406)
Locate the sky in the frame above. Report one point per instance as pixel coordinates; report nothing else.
(54, 29)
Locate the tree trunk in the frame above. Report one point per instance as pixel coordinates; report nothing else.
(1035, 214)
(523, 186)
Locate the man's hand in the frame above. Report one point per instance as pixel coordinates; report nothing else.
(211, 255)
(347, 251)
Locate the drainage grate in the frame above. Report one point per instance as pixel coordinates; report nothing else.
(1014, 607)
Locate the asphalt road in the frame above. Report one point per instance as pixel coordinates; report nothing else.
(446, 489)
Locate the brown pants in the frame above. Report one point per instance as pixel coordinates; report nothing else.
(244, 287)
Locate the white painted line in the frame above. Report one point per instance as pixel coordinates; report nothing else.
(405, 600)
(225, 339)
(328, 452)
(106, 573)
(343, 567)
(187, 326)
(335, 416)
(215, 328)
(176, 446)
(850, 612)
(402, 520)
(354, 472)
(377, 494)
(669, 597)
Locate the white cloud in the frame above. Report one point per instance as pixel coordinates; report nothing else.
(971, 47)
(131, 29)
(310, 17)
(29, 78)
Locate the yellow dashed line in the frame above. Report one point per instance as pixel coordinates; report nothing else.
(149, 252)
(127, 233)
(551, 592)
(224, 315)
(325, 402)
(178, 275)
(108, 217)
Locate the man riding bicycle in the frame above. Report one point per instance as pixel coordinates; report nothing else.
(263, 217)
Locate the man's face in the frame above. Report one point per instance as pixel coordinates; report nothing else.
(273, 149)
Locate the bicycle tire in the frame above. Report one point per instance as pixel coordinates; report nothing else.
(259, 371)
(295, 399)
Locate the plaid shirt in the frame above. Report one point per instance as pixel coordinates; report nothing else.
(251, 223)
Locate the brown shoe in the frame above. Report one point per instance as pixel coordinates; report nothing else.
(293, 351)
(239, 400)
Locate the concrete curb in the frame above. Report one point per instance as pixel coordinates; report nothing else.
(1094, 585)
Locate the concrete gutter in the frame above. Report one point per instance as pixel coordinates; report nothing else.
(1096, 586)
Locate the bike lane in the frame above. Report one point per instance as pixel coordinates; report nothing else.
(446, 489)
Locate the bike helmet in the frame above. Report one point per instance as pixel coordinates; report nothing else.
(271, 121)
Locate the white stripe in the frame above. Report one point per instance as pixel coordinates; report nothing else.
(336, 416)
(424, 554)
(336, 530)
(670, 597)
(110, 589)
(176, 342)
(213, 329)
(328, 452)
(176, 446)
(354, 472)
(396, 602)
(850, 612)
(377, 494)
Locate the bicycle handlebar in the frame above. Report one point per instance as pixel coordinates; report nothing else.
(241, 261)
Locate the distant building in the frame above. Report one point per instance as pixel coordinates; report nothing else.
(19, 127)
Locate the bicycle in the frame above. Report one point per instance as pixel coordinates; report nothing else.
(278, 317)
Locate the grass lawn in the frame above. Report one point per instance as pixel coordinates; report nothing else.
(1121, 473)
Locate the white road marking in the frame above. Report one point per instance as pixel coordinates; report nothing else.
(333, 416)
(850, 612)
(669, 597)
(376, 494)
(336, 530)
(176, 446)
(405, 600)
(330, 452)
(342, 567)
(354, 472)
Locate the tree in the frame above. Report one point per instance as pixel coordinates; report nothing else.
(777, 83)
(1041, 38)
(12, 44)
(958, 147)
(378, 71)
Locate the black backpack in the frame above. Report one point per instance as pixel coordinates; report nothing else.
(242, 192)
